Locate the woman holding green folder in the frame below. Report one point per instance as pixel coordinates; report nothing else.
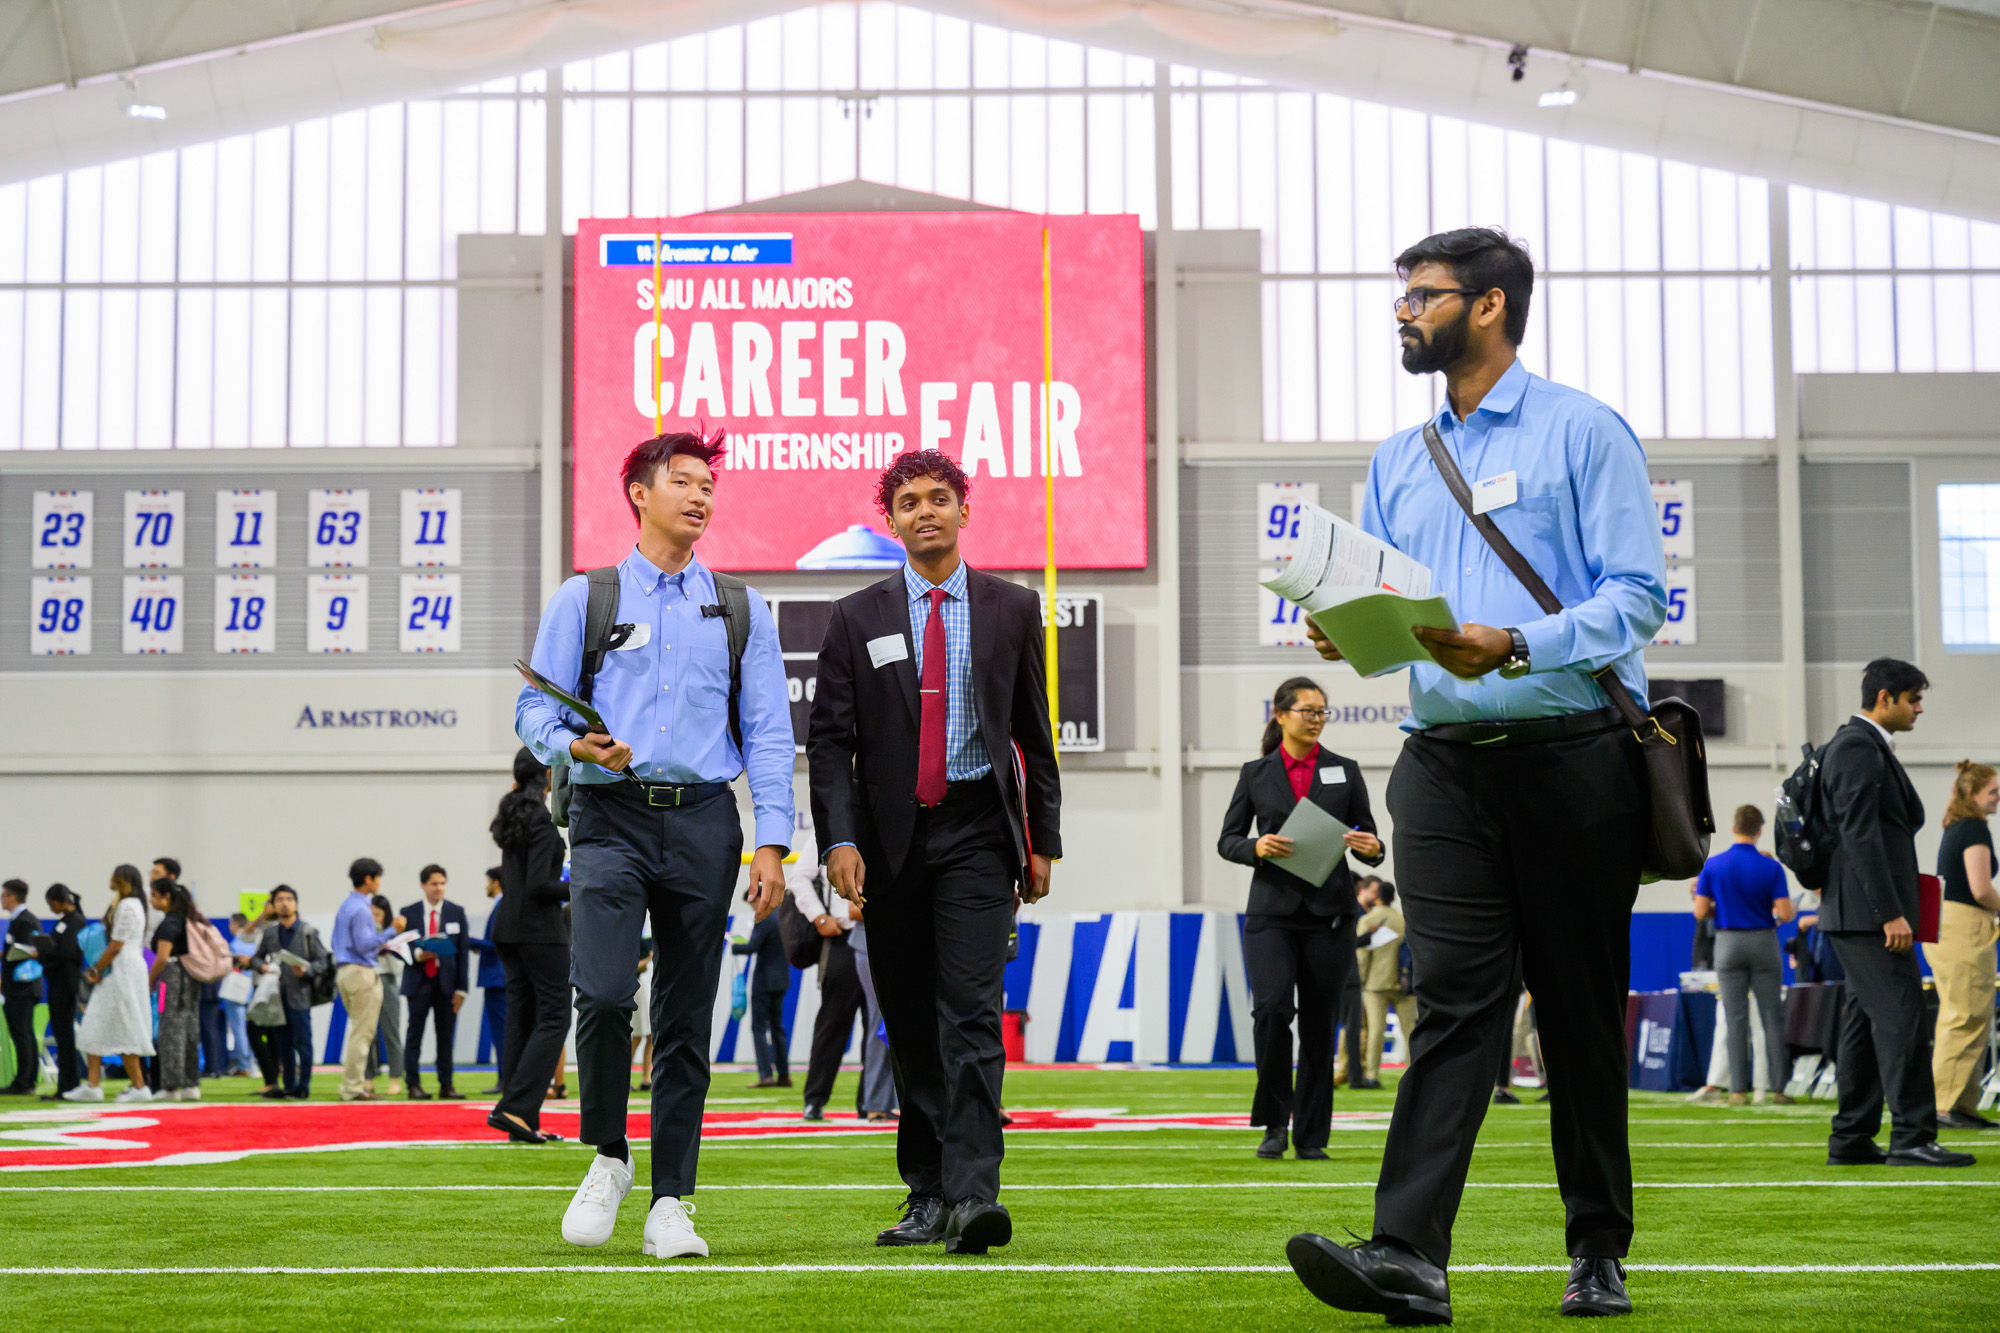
(1298, 937)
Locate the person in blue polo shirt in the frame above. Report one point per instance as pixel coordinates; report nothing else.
(1745, 892)
(653, 823)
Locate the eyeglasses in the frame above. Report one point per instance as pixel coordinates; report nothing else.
(1309, 714)
(1415, 299)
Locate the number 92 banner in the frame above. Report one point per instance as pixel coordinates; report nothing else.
(824, 345)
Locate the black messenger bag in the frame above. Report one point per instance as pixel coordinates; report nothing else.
(1669, 733)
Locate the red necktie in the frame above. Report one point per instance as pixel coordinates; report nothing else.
(431, 967)
(930, 735)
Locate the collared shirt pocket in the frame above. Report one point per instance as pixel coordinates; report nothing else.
(1534, 524)
(705, 677)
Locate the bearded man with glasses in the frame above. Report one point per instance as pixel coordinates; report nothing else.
(1520, 800)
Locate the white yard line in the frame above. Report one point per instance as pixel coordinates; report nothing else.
(971, 1267)
(792, 1188)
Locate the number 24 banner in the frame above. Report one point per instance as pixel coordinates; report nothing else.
(825, 345)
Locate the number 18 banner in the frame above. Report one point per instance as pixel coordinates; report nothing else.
(246, 613)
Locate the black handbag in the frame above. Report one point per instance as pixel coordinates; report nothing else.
(1669, 733)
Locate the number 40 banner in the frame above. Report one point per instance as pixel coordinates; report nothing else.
(428, 614)
(153, 621)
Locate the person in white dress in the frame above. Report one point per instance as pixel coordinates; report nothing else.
(118, 1020)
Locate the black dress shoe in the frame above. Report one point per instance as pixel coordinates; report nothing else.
(417, 1094)
(976, 1227)
(814, 1113)
(1929, 1154)
(1374, 1277)
(1596, 1287)
(1273, 1146)
(923, 1222)
(1505, 1097)
(1310, 1154)
(515, 1132)
(493, 1091)
(1966, 1120)
(1366, 1085)
(450, 1095)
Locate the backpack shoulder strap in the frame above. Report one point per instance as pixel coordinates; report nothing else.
(735, 595)
(599, 614)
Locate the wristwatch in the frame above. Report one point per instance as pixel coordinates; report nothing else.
(1515, 664)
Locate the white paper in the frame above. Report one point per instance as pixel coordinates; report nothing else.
(642, 634)
(1338, 562)
(400, 945)
(1496, 492)
(1383, 935)
(236, 988)
(1333, 774)
(889, 648)
(290, 959)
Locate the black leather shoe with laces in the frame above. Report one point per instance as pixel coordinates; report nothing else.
(1273, 1145)
(976, 1227)
(1374, 1277)
(1929, 1154)
(1596, 1287)
(922, 1224)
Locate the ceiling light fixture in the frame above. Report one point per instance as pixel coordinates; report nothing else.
(146, 111)
(1563, 96)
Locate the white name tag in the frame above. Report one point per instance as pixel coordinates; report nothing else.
(451, 927)
(1495, 493)
(642, 634)
(61, 926)
(1336, 774)
(889, 648)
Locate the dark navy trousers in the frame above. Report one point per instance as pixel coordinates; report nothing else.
(679, 865)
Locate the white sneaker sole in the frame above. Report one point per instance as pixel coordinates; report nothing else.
(680, 1248)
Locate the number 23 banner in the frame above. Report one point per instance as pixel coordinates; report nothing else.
(825, 345)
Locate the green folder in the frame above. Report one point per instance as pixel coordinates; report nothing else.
(1373, 632)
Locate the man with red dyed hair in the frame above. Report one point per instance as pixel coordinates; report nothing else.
(934, 787)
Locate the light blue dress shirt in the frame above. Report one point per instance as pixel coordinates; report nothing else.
(355, 939)
(1585, 521)
(965, 754)
(668, 696)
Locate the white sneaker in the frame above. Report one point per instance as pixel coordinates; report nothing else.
(188, 1095)
(669, 1233)
(134, 1094)
(84, 1092)
(594, 1211)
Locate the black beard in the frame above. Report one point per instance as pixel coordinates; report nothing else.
(1444, 347)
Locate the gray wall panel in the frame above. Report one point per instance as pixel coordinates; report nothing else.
(1858, 581)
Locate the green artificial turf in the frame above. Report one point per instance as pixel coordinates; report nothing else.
(1925, 1217)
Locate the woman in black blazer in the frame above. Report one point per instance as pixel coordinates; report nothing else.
(1298, 936)
(531, 931)
(62, 965)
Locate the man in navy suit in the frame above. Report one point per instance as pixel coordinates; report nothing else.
(434, 984)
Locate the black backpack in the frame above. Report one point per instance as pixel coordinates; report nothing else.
(599, 616)
(1805, 836)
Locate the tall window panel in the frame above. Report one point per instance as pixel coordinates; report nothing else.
(1969, 564)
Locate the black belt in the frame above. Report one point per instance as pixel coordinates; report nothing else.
(659, 795)
(969, 789)
(1527, 731)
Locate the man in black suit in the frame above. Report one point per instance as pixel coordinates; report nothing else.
(934, 781)
(1868, 911)
(770, 982)
(433, 984)
(19, 998)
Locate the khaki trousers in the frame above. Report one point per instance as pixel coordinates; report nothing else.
(1962, 966)
(361, 991)
(1375, 1008)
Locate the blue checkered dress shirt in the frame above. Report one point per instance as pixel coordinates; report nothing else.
(965, 754)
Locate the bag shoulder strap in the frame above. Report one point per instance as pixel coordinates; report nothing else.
(1454, 480)
(735, 595)
(599, 614)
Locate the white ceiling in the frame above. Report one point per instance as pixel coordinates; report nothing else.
(1889, 99)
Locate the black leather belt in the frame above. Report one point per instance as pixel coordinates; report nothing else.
(1527, 731)
(969, 789)
(659, 795)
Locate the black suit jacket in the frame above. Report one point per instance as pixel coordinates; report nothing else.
(23, 929)
(1264, 793)
(1875, 814)
(532, 889)
(769, 971)
(861, 746)
(456, 971)
(61, 951)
